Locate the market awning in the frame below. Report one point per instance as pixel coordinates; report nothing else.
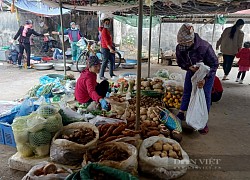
(38, 7)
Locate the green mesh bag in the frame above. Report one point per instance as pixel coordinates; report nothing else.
(54, 123)
(47, 110)
(39, 138)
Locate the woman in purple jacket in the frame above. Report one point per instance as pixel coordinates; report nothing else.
(191, 49)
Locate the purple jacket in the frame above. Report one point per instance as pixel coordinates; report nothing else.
(201, 51)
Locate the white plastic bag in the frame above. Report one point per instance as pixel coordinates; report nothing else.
(162, 168)
(197, 113)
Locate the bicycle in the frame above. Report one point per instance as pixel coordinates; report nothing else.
(89, 48)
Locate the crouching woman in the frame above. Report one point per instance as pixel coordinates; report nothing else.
(87, 89)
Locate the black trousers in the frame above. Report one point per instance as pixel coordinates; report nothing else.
(227, 63)
(101, 89)
(22, 47)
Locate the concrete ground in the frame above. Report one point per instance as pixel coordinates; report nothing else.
(223, 154)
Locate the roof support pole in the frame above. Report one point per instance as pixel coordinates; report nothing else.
(159, 45)
(62, 32)
(213, 31)
(139, 56)
(149, 40)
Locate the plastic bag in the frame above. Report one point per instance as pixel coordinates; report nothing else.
(162, 168)
(99, 120)
(163, 73)
(176, 76)
(197, 113)
(129, 165)
(85, 173)
(170, 120)
(67, 152)
(68, 115)
(26, 108)
(59, 176)
(33, 133)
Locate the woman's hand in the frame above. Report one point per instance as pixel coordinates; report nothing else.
(193, 69)
(201, 84)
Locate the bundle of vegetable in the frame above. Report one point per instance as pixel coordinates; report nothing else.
(33, 90)
(109, 132)
(162, 149)
(80, 136)
(173, 96)
(47, 89)
(106, 152)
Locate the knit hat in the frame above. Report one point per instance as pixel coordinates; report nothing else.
(28, 22)
(72, 23)
(185, 34)
(93, 60)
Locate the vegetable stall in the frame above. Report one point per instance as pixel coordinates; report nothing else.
(69, 137)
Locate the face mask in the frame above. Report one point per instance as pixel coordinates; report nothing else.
(184, 47)
(106, 26)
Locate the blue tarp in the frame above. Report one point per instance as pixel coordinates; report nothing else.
(38, 7)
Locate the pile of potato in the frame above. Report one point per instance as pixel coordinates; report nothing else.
(173, 96)
(151, 84)
(162, 149)
(148, 106)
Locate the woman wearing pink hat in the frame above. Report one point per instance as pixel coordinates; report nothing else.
(191, 49)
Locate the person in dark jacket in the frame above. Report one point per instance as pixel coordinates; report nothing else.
(191, 49)
(87, 90)
(24, 34)
(74, 36)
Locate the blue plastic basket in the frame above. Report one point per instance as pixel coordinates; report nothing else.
(1, 134)
(8, 135)
(8, 117)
